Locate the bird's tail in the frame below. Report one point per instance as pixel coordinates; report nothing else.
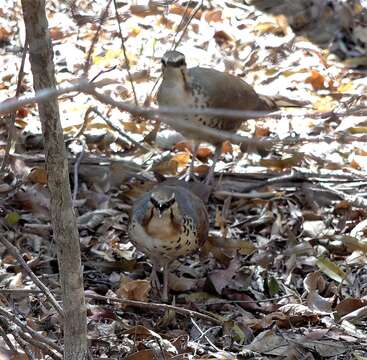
(273, 103)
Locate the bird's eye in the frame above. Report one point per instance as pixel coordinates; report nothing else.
(163, 62)
(171, 201)
(180, 62)
(155, 202)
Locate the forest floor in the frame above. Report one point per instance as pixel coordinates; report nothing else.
(283, 274)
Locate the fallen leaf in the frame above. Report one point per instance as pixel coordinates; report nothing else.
(316, 79)
(330, 269)
(133, 289)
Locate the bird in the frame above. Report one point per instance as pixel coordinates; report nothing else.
(204, 88)
(165, 223)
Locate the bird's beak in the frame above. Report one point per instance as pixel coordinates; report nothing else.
(160, 213)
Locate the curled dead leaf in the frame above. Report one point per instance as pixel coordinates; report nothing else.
(316, 80)
(314, 281)
(204, 152)
(133, 289)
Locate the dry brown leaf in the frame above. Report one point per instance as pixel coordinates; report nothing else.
(201, 169)
(182, 146)
(221, 278)
(132, 126)
(133, 289)
(181, 158)
(181, 10)
(144, 10)
(35, 199)
(354, 164)
(283, 23)
(316, 79)
(213, 16)
(360, 152)
(38, 176)
(261, 131)
(4, 34)
(22, 112)
(56, 33)
(268, 27)
(222, 37)
(314, 281)
(169, 166)
(203, 152)
(182, 283)
(227, 148)
(6, 354)
(347, 306)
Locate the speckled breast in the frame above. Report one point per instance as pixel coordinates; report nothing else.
(163, 251)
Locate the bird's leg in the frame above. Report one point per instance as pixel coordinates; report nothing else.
(210, 176)
(165, 283)
(154, 278)
(190, 174)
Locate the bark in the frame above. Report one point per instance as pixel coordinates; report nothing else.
(62, 214)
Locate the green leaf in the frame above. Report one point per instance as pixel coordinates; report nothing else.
(12, 218)
(273, 285)
(331, 269)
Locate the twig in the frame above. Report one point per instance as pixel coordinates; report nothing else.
(39, 345)
(85, 123)
(44, 94)
(31, 274)
(12, 318)
(95, 38)
(184, 125)
(125, 55)
(203, 334)
(23, 344)
(174, 46)
(239, 195)
(12, 116)
(188, 23)
(250, 301)
(85, 86)
(354, 200)
(292, 177)
(76, 171)
(153, 306)
(121, 133)
(19, 291)
(7, 340)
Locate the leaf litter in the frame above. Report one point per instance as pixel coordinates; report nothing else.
(283, 271)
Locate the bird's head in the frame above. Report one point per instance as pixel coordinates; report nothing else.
(173, 64)
(163, 202)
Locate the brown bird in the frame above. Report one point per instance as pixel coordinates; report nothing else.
(168, 222)
(202, 88)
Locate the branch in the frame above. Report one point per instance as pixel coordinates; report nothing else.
(153, 306)
(13, 104)
(14, 251)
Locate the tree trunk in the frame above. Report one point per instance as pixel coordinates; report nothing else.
(62, 214)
